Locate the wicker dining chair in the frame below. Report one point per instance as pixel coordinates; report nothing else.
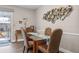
(54, 42)
(48, 31)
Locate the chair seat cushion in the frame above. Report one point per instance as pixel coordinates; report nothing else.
(43, 48)
(30, 42)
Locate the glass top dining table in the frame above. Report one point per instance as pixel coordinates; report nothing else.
(36, 37)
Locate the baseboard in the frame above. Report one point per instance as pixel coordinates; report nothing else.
(65, 50)
(18, 40)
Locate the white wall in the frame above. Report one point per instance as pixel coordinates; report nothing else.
(69, 25)
(70, 39)
(19, 14)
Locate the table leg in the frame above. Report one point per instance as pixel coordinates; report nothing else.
(34, 46)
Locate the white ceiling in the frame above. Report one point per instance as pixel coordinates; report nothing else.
(33, 7)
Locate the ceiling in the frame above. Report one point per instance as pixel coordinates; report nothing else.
(33, 7)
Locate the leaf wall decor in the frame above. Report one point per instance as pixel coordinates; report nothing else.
(58, 14)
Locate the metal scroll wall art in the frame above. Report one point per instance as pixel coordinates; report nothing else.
(58, 14)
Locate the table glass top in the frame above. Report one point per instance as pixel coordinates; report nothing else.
(41, 36)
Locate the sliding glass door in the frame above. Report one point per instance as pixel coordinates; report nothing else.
(5, 28)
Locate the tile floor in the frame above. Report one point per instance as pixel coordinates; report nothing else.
(12, 48)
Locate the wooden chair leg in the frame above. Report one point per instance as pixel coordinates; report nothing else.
(24, 49)
(16, 35)
(27, 50)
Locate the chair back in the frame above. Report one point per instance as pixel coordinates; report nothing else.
(54, 41)
(24, 34)
(30, 29)
(48, 31)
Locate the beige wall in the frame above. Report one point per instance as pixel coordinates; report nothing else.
(70, 26)
(19, 14)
